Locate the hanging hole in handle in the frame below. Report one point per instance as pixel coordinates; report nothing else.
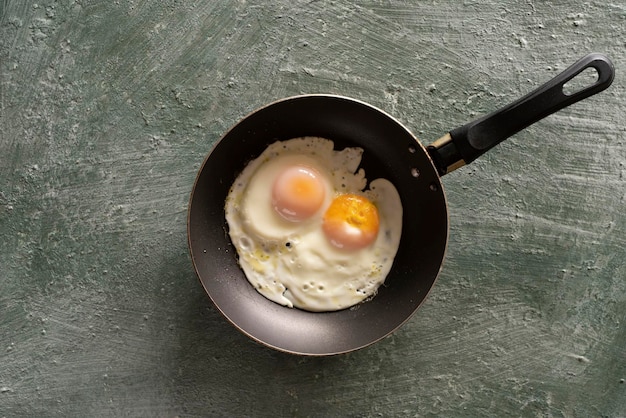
(585, 79)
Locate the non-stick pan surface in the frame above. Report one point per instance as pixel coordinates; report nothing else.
(391, 152)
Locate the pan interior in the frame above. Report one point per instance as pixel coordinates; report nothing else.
(390, 151)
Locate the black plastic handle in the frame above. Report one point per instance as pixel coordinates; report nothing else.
(463, 145)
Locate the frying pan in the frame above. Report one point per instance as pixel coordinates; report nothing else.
(391, 152)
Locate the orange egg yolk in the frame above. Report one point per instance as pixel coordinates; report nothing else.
(351, 222)
(298, 193)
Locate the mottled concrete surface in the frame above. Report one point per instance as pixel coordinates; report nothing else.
(107, 109)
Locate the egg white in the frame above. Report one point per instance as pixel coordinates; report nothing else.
(293, 263)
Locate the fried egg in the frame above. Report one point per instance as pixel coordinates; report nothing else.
(307, 232)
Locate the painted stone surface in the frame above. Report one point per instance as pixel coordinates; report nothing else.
(107, 110)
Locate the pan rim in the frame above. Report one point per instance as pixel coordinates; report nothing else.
(194, 257)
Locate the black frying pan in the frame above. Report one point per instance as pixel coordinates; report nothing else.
(392, 152)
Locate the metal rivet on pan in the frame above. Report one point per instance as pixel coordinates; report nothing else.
(415, 172)
(412, 149)
(434, 187)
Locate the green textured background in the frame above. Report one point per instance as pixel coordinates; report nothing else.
(107, 109)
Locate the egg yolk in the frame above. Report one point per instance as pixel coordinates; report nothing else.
(351, 222)
(298, 193)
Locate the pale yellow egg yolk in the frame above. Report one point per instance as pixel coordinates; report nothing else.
(298, 193)
(351, 222)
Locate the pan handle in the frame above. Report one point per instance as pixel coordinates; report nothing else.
(463, 145)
